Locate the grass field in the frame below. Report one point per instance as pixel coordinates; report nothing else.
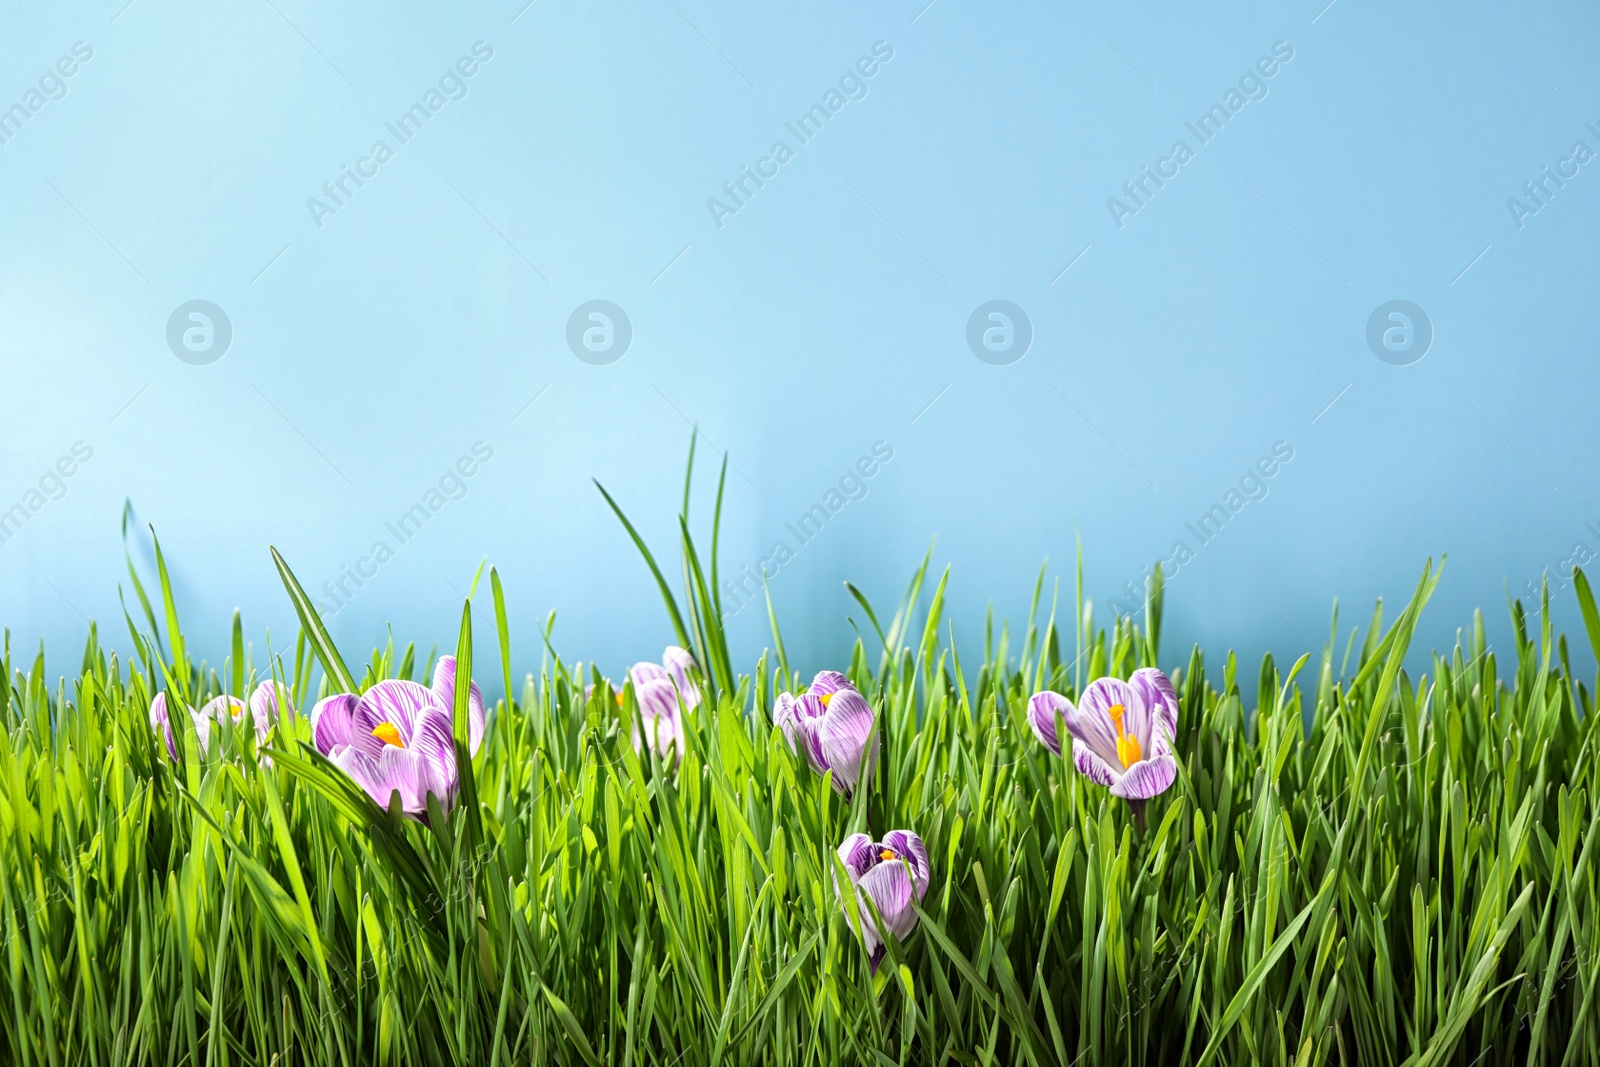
(1368, 867)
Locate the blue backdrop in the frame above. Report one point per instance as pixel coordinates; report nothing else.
(1289, 296)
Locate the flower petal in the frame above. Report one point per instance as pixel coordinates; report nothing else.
(267, 703)
(843, 736)
(783, 715)
(915, 852)
(661, 721)
(1159, 696)
(433, 741)
(807, 732)
(645, 673)
(202, 728)
(1091, 766)
(1147, 778)
(666, 737)
(331, 723)
(1044, 709)
(223, 708)
(797, 718)
(1093, 722)
(398, 702)
(829, 682)
(678, 664)
(409, 773)
(444, 689)
(658, 699)
(161, 723)
(858, 857)
(889, 887)
(363, 770)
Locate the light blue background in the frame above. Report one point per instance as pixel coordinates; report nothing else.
(370, 353)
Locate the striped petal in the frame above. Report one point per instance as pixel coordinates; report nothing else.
(331, 722)
(1044, 711)
(435, 743)
(269, 701)
(363, 770)
(161, 723)
(397, 702)
(1147, 778)
(223, 708)
(1155, 688)
(857, 855)
(784, 712)
(844, 734)
(1093, 723)
(678, 664)
(808, 732)
(658, 699)
(1091, 766)
(409, 773)
(827, 682)
(797, 718)
(893, 888)
(658, 710)
(645, 673)
(444, 690)
(910, 846)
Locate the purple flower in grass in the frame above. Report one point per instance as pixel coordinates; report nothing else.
(893, 874)
(264, 706)
(673, 670)
(161, 723)
(665, 692)
(1122, 732)
(396, 739)
(833, 724)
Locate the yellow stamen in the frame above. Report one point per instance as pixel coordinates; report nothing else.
(386, 732)
(1129, 751)
(825, 697)
(886, 854)
(618, 695)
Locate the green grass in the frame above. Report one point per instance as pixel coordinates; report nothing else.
(1366, 868)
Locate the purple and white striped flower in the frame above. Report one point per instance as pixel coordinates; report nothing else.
(665, 692)
(1122, 732)
(264, 707)
(161, 723)
(833, 724)
(893, 874)
(396, 739)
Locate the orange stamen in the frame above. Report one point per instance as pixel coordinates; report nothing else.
(386, 732)
(886, 854)
(1129, 751)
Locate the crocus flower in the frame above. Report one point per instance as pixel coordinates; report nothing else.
(674, 669)
(893, 874)
(161, 723)
(832, 722)
(1122, 732)
(396, 737)
(263, 707)
(664, 691)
